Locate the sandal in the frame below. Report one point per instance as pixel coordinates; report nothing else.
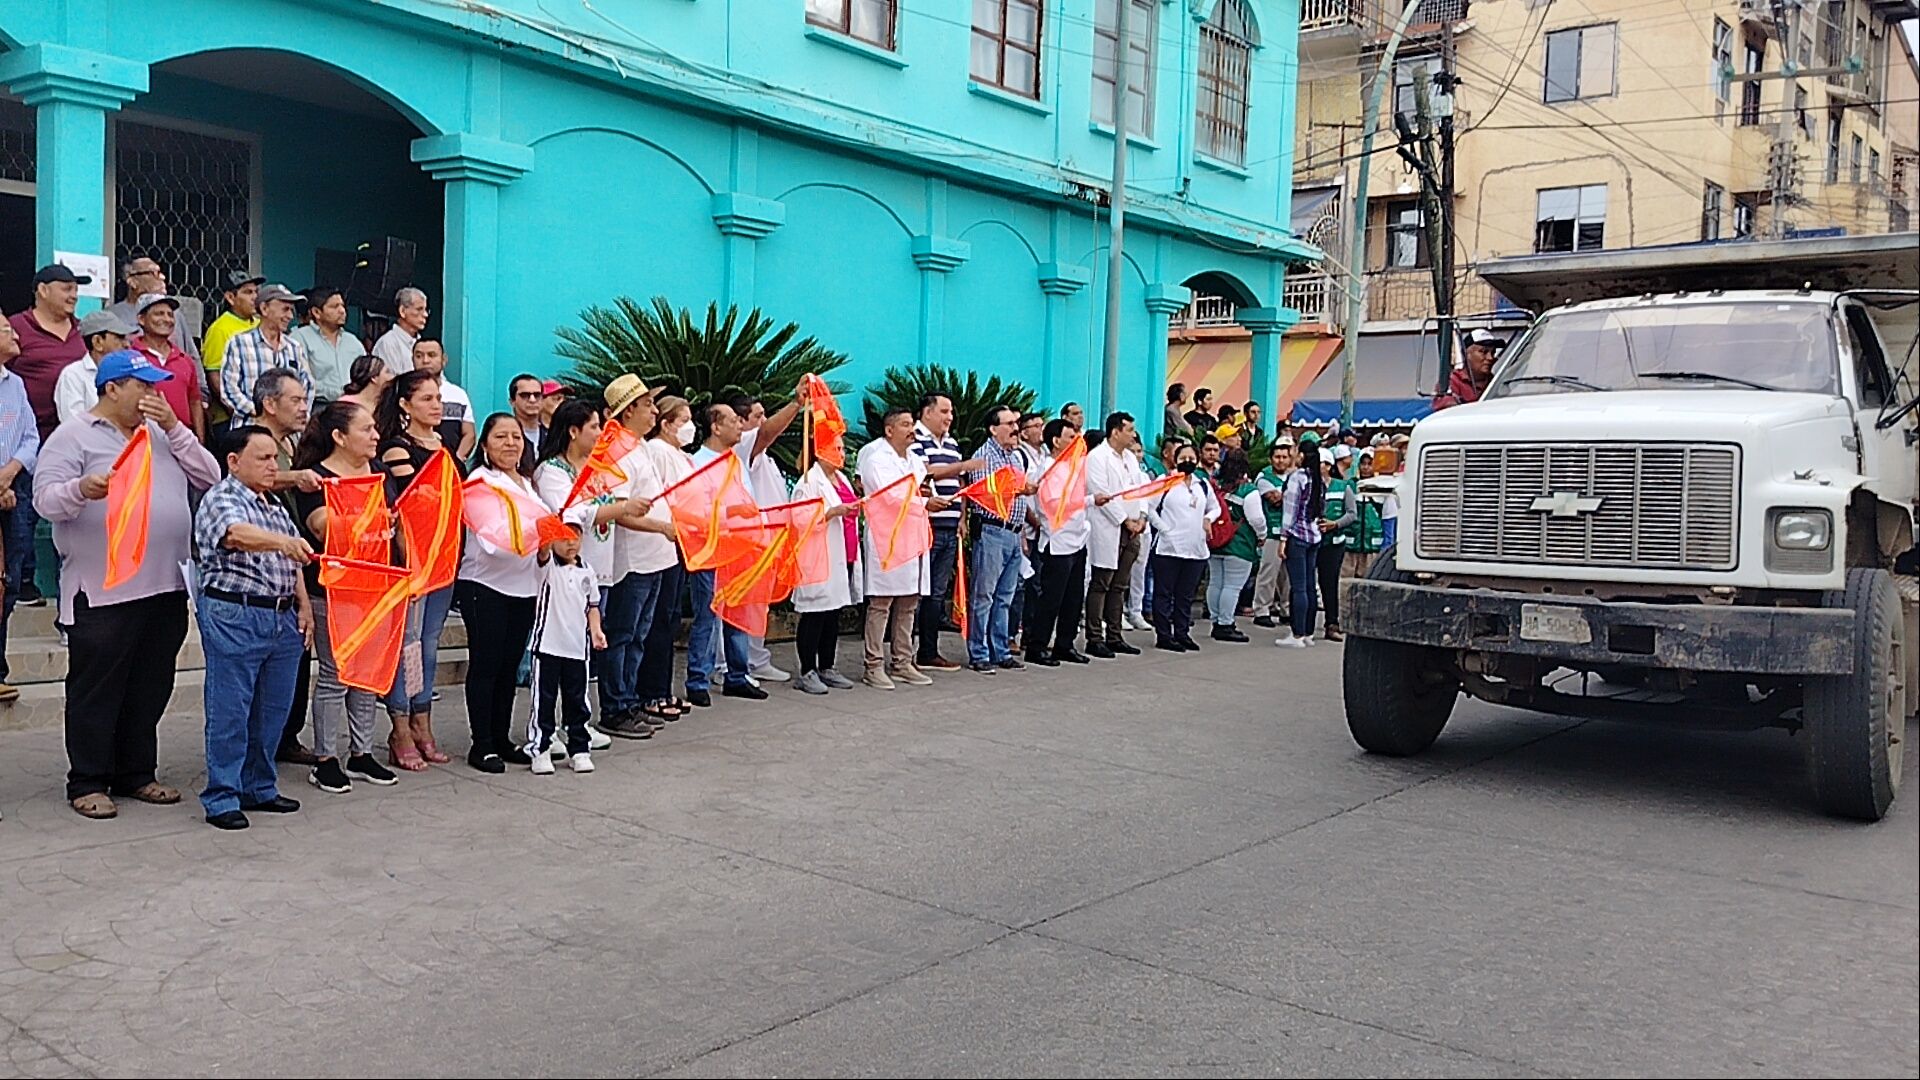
(421, 727)
(98, 806)
(432, 752)
(664, 710)
(156, 793)
(405, 756)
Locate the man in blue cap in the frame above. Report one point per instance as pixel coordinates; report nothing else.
(123, 642)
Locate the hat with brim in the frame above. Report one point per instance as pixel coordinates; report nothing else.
(128, 364)
(277, 292)
(550, 388)
(625, 390)
(53, 272)
(1487, 339)
(240, 279)
(106, 322)
(141, 305)
(1225, 431)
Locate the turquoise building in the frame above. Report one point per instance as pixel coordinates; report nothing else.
(910, 180)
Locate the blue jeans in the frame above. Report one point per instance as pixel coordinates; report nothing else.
(996, 575)
(1304, 605)
(626, 620)
(933, 606)
(700, 651)
(253, 658)
(16, 526)
(1226, 576)
(426, 618)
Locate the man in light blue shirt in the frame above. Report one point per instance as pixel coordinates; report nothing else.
(19, 448)
(330, 349)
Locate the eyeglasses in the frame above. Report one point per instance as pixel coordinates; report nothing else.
(529, 395)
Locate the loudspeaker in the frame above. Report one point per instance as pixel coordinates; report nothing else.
(381, 267)
(334, 267)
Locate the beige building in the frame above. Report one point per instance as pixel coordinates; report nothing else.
(1590, 124)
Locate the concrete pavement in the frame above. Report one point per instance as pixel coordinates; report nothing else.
(1165, 865)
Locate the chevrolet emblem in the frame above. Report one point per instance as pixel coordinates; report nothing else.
(1565, 504)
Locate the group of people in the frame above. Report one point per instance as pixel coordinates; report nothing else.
(250, 427)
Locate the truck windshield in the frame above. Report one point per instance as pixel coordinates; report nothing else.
(1679, 346)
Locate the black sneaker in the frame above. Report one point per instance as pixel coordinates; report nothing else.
(364, 767)
(982, 668)
(1042, 659)
(627, 725)
(1228, 633)
(1011, 663)
(1124, 647)
(228, 819)
(1186, 642)
(329, 777)
(1169, 645)
(485, 762)
(743, 690)
(700, 698)
(514, 755)
(1099, 649)
(1266, 622)
(30, 597)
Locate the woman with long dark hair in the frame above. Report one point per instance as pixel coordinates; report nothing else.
(1301, 504)
(366, 380)
(408, 418)
(673, 431)
(339, 441)
(1180, 519)
(496, 591)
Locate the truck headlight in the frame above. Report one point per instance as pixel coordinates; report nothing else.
(1800, 541)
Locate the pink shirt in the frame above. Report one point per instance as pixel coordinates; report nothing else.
(183, 389)
(851, 522)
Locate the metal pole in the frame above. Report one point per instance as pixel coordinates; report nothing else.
(1449, 337)
(1781, 157)
(1117, 219)
(1357, 237)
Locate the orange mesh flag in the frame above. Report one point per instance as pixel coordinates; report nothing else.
(829, 427)
(359, 525)
(601, 472)
(366, 619)
(898, 523)
(429, 513)
(792, 542)
(129, 498)
(1153, 487)
(714, 515)
(996, 491)
(507, 519)
(960, 609)
(1063, 487)
(808, 560)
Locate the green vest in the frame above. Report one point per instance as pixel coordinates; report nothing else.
(1274, 513)
(1245, 544)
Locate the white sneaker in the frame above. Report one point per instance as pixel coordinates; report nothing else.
(1291, 642)
(557, 746)
(596, 740)
(1310, 640)
(1137, 622)
(769, 673)
(542, 765)
(579, 763)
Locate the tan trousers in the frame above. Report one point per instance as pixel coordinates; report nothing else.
(1270, 581)
(898, 611)
(1354, 565)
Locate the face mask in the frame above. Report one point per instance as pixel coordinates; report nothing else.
(684, 433)
(1188, 467)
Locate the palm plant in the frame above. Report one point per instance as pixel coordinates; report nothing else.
(721, 356)
(971, 398)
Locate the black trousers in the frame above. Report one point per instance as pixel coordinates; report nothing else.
(933, 606)
(497, 629)
(297, 715)
(1053, 620)
(1174, 582)
(817, 638)
(1107, 593)
(558, 682)
(120, 667)
(656, 659)
(1327, 567)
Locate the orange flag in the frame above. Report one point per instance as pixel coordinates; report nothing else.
(793, 551)
(996, 491)
(829, 427)
(897, 519)
(1063, 487)
(508, 519)
(601, 472)
(366, 619)
(715, 516)
(960, 609)
(429, 513)
(1153, 487)
(359, 526)
(129, 498)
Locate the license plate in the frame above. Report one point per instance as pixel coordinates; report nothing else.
(1543, 622)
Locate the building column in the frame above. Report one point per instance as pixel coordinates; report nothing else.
(1059, 281)
(71, 92)
(1163, 302)
(474, 168)
(744, 220)
(1266, 325)
(936, 256)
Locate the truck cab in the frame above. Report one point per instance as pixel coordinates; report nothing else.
(1691, 508)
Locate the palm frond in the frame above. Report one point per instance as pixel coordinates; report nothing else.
(905, 386)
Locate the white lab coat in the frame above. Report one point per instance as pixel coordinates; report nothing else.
(879, 465)
(1108, 473)
(837, 591)
(1181, 516)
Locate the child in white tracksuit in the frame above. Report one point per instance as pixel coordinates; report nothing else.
(566, 621)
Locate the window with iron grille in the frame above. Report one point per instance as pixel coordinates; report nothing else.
(1712, 205)
(185, 200)
(1571, 219)
(871, 21)
(1143, 29)
(1722, 68)
(17, 134)
(1006, 45)
(1227, 40)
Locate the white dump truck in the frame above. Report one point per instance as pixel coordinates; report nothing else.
(1693, 508)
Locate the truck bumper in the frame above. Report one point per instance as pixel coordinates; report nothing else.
(1582, 630)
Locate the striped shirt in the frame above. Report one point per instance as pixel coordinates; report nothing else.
(937, 451)
(248, 357)
(996, 458)
(250, 573)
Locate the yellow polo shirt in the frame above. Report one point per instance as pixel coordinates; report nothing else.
(213, 353)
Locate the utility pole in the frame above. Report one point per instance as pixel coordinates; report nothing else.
(1443, 253)
(1417, 147)
(1117, 218)
(1782, 164)
(1357, 237)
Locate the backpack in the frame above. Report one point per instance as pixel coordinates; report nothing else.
(1224, 527)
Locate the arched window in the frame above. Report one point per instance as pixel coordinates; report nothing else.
(1226, 79)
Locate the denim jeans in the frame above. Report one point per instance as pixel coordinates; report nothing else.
(995, 574)
(1226, 576)
(426, 618)
(700, 645)
(627, 619)
(933, 606)
(16, 526)
(1302, 561)
(253, 656)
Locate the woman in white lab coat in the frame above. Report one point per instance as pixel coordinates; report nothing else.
(820, 604)
(1180, 519)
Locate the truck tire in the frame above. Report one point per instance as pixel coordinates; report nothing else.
(1398, 696)
(1856, 723)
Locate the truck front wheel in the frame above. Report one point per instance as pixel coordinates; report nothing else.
(1856, 723)
(1398, 696)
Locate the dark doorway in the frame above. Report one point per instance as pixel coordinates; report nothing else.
(17, 245)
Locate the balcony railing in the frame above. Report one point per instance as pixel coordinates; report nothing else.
(1376, 15)
(1316, 296)
(1206, 311)
(1332, 14)
(1407, 295)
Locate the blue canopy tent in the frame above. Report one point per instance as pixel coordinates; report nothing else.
(1389, 374)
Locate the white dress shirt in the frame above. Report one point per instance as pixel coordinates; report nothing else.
(879, 464)
(1073, 533)
(1180, 518)
(500, 569)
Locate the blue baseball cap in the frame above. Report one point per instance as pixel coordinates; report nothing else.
(128, 364)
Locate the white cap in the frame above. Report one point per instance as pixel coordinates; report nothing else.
(1341, 451)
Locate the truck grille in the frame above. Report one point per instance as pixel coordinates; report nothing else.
(1660, 506)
